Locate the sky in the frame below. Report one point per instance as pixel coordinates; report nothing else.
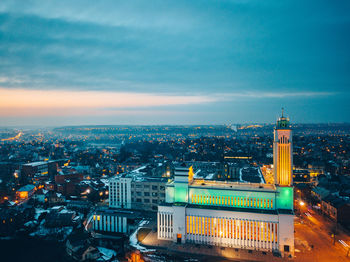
(173, 62)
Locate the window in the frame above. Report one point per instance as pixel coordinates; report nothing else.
(162, 194)
(146, 193)
(154, 207)
(154, 201)
(146, 200)
(138, 193)
(286, 248)
(154, 187)
(154, 194)
(138, 200)
(162, 188)
(145, 186)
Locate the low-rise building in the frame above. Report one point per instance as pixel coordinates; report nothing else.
(336, 208)
(25, 192)
(112, 220)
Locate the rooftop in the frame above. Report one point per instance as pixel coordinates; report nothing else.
(232, 185)
(26, 188)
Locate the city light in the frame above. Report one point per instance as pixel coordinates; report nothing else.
(301, 203)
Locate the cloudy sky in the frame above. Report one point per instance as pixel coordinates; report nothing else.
(173, 62)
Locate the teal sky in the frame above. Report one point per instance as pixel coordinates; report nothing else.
(173, 62)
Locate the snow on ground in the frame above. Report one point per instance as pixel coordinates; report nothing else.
(210, 176)
(105, 181)
(196, 174)
(46, 232)
(261, 176)
(133, 238)
(138, 169)
(31, 224)
(107, 254)
(38, 212)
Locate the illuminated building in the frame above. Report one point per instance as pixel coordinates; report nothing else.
(282, 152)
(112, 220)
(252, 216)
(25, 192)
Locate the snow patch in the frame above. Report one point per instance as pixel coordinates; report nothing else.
(133, 238)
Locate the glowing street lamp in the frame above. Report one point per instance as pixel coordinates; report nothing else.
(301, 203)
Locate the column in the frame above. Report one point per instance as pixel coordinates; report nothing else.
(256, 235)
(112, 224)
(158, 224)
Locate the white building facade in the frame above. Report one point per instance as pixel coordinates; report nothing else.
(229, 214)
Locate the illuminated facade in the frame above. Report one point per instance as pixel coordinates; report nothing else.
(282, 152)
(230, 214)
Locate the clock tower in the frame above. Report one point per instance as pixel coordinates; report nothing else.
(283, 152)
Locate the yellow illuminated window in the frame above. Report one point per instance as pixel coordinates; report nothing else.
(235, 201)
(276, 235)
(254, 229)
(264, 203)
(199, 225)
(206, 226)
(234, 229)
(271, 204)
(209, 225)
(188, 225)
(191, 225)
(272, 235)
(98, 218)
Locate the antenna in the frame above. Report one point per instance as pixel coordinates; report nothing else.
(282, 111)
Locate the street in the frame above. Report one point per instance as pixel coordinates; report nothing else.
(313, 239)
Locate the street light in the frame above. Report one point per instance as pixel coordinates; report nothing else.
(301, 203)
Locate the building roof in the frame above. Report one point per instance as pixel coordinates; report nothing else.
(26, 188)
(322, 192)
(232, 185)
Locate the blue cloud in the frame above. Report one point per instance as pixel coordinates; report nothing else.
(180, 47)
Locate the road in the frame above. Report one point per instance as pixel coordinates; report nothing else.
(313, 240)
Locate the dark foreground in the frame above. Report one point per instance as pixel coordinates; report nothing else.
(31, 250)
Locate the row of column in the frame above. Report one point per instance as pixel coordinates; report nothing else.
(110, 223)
(165, 225)
(231, 232)
(232, 201)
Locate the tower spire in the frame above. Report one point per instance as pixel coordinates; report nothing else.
(282, 111)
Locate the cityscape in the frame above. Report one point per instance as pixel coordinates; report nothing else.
(174, 131)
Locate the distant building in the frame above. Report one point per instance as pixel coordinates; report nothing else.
(301, 176)
(67, 181)
(319, 193)
(25, 192)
